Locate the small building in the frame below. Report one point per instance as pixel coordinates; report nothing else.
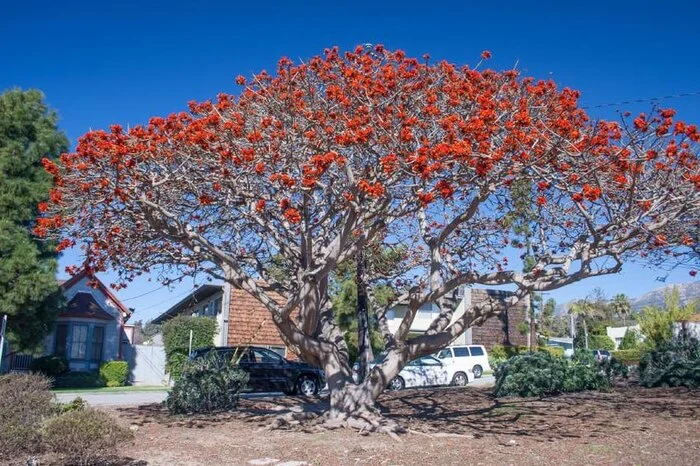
(616, 334)
(502, 329)
(241, 319)
(92, 326)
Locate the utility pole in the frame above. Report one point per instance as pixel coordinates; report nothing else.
(363, 340)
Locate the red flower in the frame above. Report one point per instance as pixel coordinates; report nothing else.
(240, 80)
(292, 215)
(485, 54)
(260, 205)
(541, 201)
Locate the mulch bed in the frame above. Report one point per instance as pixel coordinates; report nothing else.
(629, 425)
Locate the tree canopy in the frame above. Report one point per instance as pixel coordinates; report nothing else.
(29, 293)
(322, 158)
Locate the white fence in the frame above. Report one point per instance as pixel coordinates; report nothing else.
(146, 364)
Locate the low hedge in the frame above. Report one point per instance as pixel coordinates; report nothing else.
(629, 357)
(50, 366)
(675, 364)
(114, 373)
(79, 380)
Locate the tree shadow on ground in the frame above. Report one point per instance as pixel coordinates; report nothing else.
(462, 411)
(587, 414)
(259, 411)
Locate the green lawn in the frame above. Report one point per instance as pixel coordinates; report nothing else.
(138, 388)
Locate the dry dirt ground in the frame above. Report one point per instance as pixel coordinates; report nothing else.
(446, 426)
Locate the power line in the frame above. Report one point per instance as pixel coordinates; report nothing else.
(639, 101)
(144, 294)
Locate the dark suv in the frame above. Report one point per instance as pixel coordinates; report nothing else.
(270, 372)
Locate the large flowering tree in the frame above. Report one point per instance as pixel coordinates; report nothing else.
(371, 148)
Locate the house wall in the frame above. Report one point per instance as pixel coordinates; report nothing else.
(198, 309)
(112, 333)
(502, 329)
(250, 323)
(498, 330)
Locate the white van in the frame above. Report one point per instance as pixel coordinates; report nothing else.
(461, 360)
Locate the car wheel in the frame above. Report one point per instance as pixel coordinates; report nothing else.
(307, 386)
(478, 371)
(397, 383)
(460, 379)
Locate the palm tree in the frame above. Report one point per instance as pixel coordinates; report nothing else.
(620, 306)
(583, 309)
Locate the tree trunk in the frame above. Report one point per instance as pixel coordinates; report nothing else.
(363, 338)
(533, 329)
(585, 333)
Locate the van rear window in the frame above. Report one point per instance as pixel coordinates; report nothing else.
(476, 351)
(461, 352)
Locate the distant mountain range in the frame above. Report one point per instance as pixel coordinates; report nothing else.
(688, 292)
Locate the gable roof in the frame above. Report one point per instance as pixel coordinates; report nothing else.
(66, 285)
(83, 305)
(197, 296)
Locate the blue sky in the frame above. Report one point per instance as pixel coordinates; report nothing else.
(103, 62)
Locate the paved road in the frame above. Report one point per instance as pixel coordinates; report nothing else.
(134, 398)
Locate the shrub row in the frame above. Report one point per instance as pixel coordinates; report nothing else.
(110, 374)
(674, 364)
(500, 354)
(542, 374)
(32, 424)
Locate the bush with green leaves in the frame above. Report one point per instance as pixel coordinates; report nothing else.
(499, 354)
(674, 364)
(176, 339)
(542, 374)
(79, 380)
(50, 366)
(601, 342)
(25, 402)
(631, 340)
(84, 436)
(114, 373)
(77, 404)
(628, 356)
(207, 384)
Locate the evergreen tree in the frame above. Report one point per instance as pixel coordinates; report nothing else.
(29, 293)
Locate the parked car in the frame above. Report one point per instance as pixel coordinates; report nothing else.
(422, 372)
(601, 355)
(460, 361)
(270, 372)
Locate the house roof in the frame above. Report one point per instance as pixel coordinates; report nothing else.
(67, 284)
(197, 296)
(83, 305)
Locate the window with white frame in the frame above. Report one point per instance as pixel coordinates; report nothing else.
(79, 340)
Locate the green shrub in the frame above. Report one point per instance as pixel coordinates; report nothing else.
(79, 380)
(631, 340)
(557, 351)
(629, 356)
(176, 339)
(50, 366)
(540, 374)
(672, 365)
(613, 369)
(25, 401)
(207, 384)
(114, 373)
(78, 404)
(86, 436)
(601, 342)
(499, 354)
